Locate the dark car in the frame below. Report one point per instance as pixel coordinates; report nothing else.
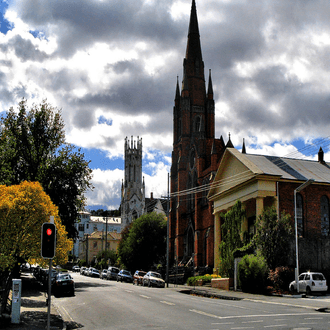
(125, 276)
(103, 274)
(63, 283)
(138, 277)
(153, 279)
(112, 273)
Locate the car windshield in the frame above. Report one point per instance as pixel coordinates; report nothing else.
(115, 270)
(318, 277)
(64, 277)
(155, 275)
(126, 272)
(141, 273)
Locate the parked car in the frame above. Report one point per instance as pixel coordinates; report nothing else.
(310, 282)
(93, 272)
(125, 275)
(63, 283)
(153, 279)
(103, 274)
(112, 273)
(44, 276)
(138, 277)
(82, 270)
(76, 268)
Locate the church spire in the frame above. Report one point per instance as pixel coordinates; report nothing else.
(194, 49)
(177, 92)
(210, 87)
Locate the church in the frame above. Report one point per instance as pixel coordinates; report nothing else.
(195, 159)
(200, 161)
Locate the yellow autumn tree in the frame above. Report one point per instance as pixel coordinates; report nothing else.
(23, 210)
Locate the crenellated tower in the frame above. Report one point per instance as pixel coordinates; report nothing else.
(133, 187)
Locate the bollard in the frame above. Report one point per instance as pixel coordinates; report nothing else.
(16, 301)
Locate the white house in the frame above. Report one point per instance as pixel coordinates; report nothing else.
(88, 224)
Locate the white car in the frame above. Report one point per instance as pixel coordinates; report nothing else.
(310, 282)
(153, 279)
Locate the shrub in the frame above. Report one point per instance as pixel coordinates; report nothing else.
(281, 277)
(252, 273)
(206, 279)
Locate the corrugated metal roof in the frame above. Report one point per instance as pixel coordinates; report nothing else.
(292, 169)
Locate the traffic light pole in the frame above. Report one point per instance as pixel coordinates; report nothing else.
(49, 292)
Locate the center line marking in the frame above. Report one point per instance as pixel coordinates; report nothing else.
(167, 303)
(141, 295)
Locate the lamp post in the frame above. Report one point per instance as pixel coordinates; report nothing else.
(300, 188)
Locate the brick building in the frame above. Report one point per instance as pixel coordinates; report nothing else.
(195, 159)
(260, 181)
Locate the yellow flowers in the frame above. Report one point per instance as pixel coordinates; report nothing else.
(23, 210)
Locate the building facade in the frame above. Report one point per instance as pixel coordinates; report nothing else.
(91, 244)
(195, 159)
(87, 224)
(133, 188)
(259, 182)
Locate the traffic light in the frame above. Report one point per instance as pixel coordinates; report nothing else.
(48, 240)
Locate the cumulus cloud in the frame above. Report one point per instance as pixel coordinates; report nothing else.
(119, 60)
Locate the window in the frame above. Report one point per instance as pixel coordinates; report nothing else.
(81, 227)
(324, 216)
(300, 215)
(95, 245)
(198, 124)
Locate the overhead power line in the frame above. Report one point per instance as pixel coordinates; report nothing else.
(246, 174)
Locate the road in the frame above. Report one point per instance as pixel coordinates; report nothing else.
(101, 304)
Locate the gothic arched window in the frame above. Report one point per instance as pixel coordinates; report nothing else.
(197, 124)
(300, 215)
(324, 216)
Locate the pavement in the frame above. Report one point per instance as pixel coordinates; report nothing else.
(34, 311)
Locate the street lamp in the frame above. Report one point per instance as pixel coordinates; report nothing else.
(300, 188)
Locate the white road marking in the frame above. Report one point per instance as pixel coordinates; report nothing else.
(248, 316)
(167, 303)
(143, 296)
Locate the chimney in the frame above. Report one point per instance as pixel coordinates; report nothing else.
(152, 196)
(321, 156)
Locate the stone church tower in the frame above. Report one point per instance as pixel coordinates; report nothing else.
(195, 158)
(133, 188)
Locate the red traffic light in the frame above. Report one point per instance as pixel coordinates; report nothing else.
(48, 240)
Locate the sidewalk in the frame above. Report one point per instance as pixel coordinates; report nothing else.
(34, 312)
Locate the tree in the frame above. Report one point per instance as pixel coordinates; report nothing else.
(273, 237)
(143, 244)
(232, 238)
(23, 210)
(33, 148)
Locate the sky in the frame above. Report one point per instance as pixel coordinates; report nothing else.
(111, 66)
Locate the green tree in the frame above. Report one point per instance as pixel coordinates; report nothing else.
(143, 244)
(33, 148)
(273, 237)
(106, 256)
(232, 238)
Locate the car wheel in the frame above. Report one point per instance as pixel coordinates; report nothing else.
(149, 284)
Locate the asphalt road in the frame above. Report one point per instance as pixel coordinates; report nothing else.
(101, 304)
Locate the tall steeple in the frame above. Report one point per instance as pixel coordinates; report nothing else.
(194, 49)
(193, 65)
